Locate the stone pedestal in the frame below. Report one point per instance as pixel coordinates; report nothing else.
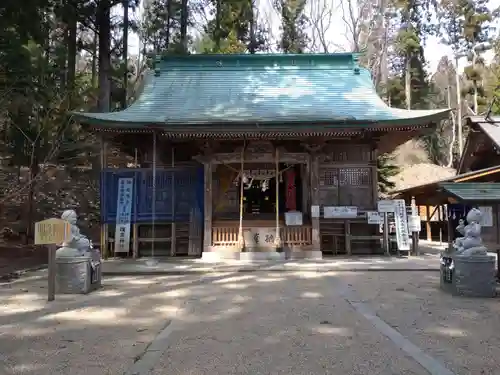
(468, 276)
(77, 275)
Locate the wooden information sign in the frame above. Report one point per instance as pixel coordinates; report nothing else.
(52, 232)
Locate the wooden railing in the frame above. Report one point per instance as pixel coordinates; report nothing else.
(296, 236)
(225, 236)
(291, 236)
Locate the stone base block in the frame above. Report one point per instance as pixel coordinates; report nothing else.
(79, 275)
(468, 276)
(216, 254)
(304, 254)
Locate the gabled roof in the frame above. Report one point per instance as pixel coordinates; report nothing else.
(426, 191)
(305, 89)
(473, 192)
(489, 126)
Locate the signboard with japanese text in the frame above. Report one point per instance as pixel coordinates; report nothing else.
(340, 212)
(414, 223)
(487, 220)
(123, 215)
(293, 218)
(385, 206)
(374, 217)
(315, 211)
(401, 221)
(52, 232)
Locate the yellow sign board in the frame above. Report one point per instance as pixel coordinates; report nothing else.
(52, 232)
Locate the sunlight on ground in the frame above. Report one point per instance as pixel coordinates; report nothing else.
(240, 299)
(234, 279)
(445, 331)
(103, 315)
(329, 330)
(168, 311)
(311, 295)
(270, 279)
(235, 286)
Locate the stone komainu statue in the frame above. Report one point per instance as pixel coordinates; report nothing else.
(471, 242)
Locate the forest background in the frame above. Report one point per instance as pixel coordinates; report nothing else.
(62, 55)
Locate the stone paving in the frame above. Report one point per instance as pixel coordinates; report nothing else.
(362, 263)
(296, 322)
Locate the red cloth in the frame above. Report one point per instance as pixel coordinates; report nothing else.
(291, 190)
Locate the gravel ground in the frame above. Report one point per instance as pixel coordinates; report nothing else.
(281, 323)
(98, 334)
(253, 323)
(462, 332)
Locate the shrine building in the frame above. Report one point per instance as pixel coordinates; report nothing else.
(249, 156)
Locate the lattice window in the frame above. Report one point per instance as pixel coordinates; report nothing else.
(329, 177)
(355, 177)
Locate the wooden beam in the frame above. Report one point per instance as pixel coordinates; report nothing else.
(104, 227)
(314, 177)
(428, 223)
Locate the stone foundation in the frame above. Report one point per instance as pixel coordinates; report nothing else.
(469, 276)
(229, 253)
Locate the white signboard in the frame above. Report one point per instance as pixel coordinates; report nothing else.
(123, 215)
(293, 218)
(260, 237)
(414, 223)
(385, 206)
(340, 212)
(402, 234)
(315, 211)
(374, 217)
(487, 212)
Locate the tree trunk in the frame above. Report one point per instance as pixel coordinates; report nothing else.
(184, 25)
(218, 17)
(94, 62)
(169, 20)
(104, 26)
(252, 28)
(408, 82)
(125, 53)
(71, 43)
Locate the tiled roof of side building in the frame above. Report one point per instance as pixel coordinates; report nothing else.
(259, 89)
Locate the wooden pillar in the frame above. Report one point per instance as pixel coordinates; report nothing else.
(374, 175)
(304, 171)
(207, 185)
(277, 239)
(440, 220)
(428, 223)
(348, 247)
(135, 240)
(451, 230)
(173, 237)
(314, 170)
(135, 226)
(104, 226)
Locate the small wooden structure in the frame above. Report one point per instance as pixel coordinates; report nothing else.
(254, 153)
(434, 205)
(482, 148)
(480, 162)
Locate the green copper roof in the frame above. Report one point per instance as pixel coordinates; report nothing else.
(473, 192)
(259, 89)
